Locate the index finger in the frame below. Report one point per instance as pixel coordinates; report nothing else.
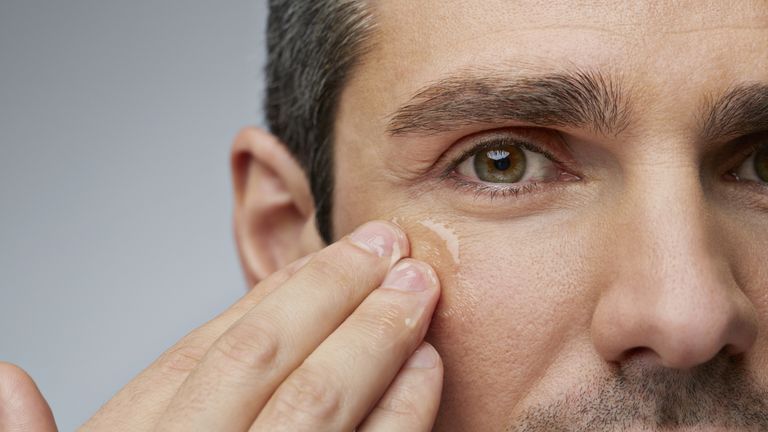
(245, 365)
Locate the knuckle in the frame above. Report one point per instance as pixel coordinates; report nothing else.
(401, 402)
(308, 396)
(182, 358)
(249, 345)
(248, 302)
(384, 321)
(340, 272)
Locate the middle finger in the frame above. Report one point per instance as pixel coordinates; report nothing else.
(339, 383)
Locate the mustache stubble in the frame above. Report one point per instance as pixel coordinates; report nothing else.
(719, 393)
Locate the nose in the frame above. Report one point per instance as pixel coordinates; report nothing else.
(672, 295)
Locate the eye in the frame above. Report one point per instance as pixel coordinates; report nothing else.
(507, 163)
(755, 167)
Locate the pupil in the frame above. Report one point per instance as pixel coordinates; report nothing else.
(505, 164)
(500, 158)
(502, 164)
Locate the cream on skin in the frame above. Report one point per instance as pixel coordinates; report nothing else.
(448, 236)
(439, 244)
(645, 258)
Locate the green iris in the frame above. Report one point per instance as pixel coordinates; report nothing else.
(761, 163)
(505, 164)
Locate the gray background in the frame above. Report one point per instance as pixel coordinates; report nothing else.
(115, 234)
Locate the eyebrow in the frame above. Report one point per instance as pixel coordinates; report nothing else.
(568, 99)
(741, 110)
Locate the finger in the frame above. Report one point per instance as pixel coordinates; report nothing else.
(245, 365)
(145, 398)
(22, 406)
(343, 378)
(411, 401)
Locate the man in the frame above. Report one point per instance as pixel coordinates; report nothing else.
(584, 185)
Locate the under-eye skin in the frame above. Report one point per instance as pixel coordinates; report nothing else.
(505, 166)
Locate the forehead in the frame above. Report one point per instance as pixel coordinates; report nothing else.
(431, 30)
(688, 49)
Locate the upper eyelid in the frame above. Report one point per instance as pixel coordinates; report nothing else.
(733, 154)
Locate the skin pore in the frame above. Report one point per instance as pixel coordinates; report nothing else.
(587, 300)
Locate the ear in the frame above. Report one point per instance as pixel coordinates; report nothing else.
(274, 212)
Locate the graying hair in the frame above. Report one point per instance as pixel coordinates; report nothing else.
(312, 47)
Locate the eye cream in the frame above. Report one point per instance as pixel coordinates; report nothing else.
(448, 235)
(439, 245)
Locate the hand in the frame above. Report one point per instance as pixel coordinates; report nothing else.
(326, 344)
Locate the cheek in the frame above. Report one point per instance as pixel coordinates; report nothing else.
(511, 305)
(514, 294)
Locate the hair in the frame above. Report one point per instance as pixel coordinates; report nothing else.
(312, 47)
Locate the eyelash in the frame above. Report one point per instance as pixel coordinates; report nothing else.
(494, 191)
(482, 190)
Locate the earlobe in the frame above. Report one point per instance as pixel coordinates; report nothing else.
(274, 210)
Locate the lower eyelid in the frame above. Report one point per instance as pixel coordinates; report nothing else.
(494, 190)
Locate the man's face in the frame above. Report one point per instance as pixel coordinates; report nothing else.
(583, 178)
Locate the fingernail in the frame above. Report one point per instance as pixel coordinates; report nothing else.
(406, 276)
(378, 238)
(423, 358)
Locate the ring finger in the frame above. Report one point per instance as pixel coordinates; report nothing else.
(342, 379)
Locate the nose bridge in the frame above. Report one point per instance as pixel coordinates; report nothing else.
(671, 264)
(672, 292)
(667, 220)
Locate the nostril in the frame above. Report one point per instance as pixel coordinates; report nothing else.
(642, 355)
(732, 350)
